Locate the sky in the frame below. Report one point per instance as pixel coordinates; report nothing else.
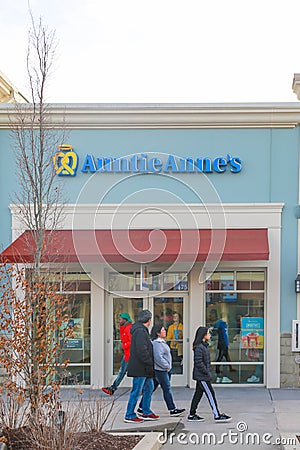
(159, 51)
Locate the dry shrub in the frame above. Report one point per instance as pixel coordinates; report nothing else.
(55, 429)
(13, 411)
(97, 411)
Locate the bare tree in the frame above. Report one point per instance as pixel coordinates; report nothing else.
(35, 319)
(39, 196)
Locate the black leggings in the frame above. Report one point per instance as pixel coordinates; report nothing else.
(206, 388)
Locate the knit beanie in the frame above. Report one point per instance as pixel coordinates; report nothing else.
(126, 316)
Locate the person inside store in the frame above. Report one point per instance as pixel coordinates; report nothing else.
(212, 318)
(221, 328)
(256, 354)
(141, 369)
(166, 316)
(125, 324)
(175, 338)
(238, 323)
(202, 375)
(162, 369)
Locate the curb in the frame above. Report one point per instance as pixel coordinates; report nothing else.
(148, 442)
(289, 441)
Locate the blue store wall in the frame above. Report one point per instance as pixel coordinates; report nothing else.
(269, 174)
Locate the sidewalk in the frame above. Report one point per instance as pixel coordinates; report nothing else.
(260, 419)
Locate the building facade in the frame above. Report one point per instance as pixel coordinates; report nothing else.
(9, 93)
(190, 211)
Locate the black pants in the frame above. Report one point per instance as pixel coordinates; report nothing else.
(204, 387)
(223, 353)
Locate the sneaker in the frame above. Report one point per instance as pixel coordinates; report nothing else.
(139, 411)
(253, 379)
(222, 418)
(226, 380)
(195, 418)
(151, 416)
(133, 420)
(177, 412)
(108, 390)
(219, 380)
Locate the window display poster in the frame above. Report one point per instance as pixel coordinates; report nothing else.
(228, 285)
(252, 332)
(77, 340)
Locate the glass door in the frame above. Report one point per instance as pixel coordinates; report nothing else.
(117, 306)
(131, 306)
(165, 294)
(168, 310)
(171, 312)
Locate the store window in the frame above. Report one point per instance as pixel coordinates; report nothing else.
(77, 349)
(235, 303)
(154, 281)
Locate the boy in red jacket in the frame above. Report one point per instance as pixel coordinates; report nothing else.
(125, 323)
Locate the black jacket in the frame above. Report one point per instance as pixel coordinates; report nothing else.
(202, 367)
(141, 361)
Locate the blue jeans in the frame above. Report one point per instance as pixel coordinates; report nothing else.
(121, 374)
(139, 384)
(163, 378)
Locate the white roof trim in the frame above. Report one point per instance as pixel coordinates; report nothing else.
(190, 215)
(155, 116)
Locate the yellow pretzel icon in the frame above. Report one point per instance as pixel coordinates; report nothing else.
(65, 162)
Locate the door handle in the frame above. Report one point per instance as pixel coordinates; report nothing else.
(107, 341)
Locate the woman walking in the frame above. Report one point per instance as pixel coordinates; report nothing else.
(202, 375)
(162, 368)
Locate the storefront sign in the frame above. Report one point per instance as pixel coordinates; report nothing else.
(66, 163)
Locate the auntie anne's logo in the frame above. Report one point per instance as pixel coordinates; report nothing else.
(65, 161)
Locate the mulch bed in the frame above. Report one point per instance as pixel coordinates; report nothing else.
(106, 441)
(84, 441)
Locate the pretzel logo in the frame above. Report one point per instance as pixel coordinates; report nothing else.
(65, 161)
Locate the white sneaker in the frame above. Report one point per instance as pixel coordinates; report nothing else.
(226, 380)
(219, 380)
(253, 379)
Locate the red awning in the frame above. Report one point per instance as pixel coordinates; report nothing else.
(143, 246)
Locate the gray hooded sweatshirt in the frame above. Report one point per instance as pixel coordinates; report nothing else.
(162, 355)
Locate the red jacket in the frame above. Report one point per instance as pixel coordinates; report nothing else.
(126, 339)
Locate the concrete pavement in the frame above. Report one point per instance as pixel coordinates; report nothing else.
(261, 418)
